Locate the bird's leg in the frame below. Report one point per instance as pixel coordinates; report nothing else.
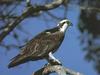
(52, 60)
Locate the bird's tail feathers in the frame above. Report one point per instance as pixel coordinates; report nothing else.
(17, 60)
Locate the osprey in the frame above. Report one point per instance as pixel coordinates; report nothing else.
(43, 45)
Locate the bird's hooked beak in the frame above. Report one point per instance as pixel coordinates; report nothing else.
(69, 23)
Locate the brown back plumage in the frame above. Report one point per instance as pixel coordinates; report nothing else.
(39, 47)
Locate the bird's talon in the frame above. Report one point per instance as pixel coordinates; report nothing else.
(56, 62)
(47, 64)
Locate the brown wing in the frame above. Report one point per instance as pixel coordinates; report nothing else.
(37, 48)
(40, 46)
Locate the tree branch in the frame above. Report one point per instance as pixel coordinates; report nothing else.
(60, 70)
(30, 11)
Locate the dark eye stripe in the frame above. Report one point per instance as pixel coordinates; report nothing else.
(61, 24)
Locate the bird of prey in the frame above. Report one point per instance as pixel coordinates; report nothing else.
(43, 45)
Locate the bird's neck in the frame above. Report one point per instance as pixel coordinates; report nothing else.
(64, 28)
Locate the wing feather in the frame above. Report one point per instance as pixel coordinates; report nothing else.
(41, 45)
(38, 48)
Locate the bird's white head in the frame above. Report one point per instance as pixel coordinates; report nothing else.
(64, 24)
